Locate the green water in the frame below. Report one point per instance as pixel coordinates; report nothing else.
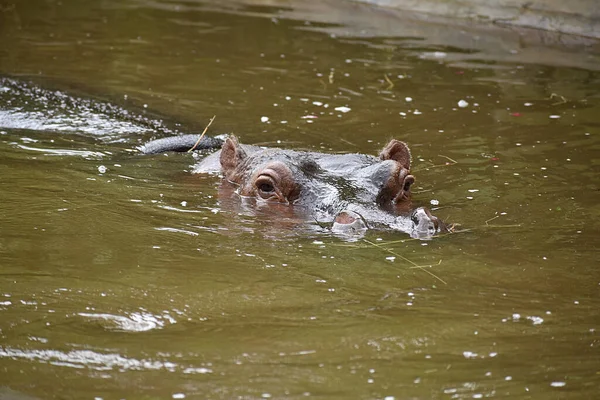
(127, 277)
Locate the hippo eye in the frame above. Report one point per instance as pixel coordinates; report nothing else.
(274, 182)
(266, 187)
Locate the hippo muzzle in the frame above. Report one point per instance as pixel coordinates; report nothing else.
(421, 224)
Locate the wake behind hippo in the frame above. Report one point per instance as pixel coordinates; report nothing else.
(353, 192)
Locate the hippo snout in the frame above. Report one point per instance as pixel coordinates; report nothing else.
(349, 222)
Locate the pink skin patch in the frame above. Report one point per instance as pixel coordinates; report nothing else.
(344, 218)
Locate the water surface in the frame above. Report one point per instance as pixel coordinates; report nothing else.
(124, 276)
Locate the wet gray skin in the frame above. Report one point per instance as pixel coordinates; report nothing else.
(350, 192)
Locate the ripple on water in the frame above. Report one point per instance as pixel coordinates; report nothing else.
(98, 361)
(133, 322)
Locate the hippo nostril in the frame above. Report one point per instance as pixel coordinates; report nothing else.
(415, 219)
(344, 218)
(349, 222)
(431, 228)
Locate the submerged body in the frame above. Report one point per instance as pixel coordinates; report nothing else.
(353, 192)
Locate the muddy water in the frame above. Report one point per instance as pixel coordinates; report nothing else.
(126, 277)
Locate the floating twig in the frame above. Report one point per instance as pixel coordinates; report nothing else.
(347, 142)
(426, 266)
(389, 81)
(452, 162)
(321, 225)
(503, 226)
(563, 100)
(422, 268)
(491, 219)
(201, 136)
(487, 224)
(448, 158)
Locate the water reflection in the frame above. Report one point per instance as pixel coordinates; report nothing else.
(30, 107)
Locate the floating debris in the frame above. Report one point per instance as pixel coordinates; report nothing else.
(343, 109)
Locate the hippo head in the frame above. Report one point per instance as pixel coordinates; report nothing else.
(352, 191)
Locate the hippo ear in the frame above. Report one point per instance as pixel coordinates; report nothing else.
(397, 151)
(232, 155)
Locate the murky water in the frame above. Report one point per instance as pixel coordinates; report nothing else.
(123, 276)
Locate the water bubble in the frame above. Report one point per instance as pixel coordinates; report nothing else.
(463, 103)
(536, 320)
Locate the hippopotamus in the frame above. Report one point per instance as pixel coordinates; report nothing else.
(351, 192)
